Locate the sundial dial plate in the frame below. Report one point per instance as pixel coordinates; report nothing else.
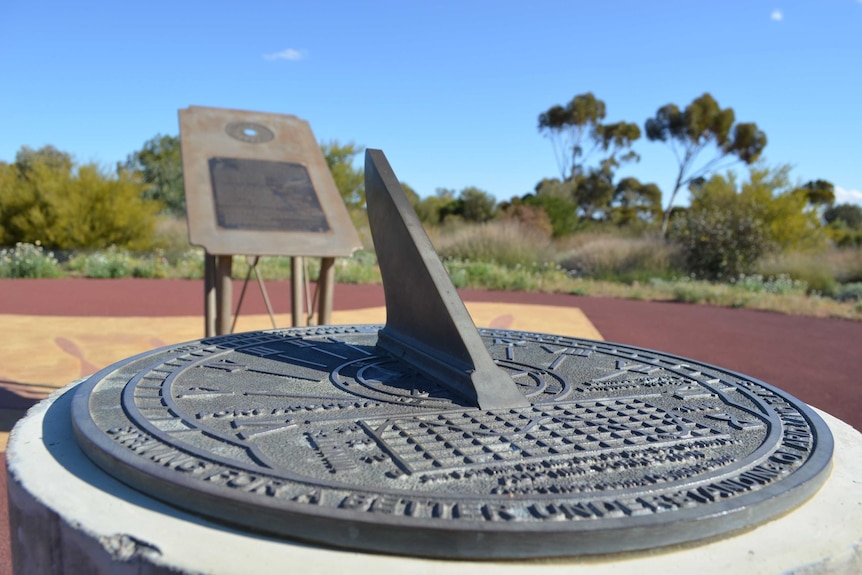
(429, 437)
(315, 434)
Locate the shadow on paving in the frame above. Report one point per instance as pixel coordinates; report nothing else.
(16, 398)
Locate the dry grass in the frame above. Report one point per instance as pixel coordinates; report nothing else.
(620, 258)
(507, 243)
(172, 234)
(822, 271)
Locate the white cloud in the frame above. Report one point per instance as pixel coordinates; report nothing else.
(778, 16)
(843, 196)
(289, 54)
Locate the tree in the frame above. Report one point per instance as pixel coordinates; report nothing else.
(849, 214)
(576, 131)
(819, 192)
(579, 124)
(635, 202)
(27, 159)
(593, 193)
(844, 224)
(159, 165)
(555, 198)
(475, 205)
(411, 194)
(46, 198)
(569, 127)
(349, 179)
(701, 125)
(432, 210)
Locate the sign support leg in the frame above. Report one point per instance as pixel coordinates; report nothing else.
(224, 294)
(296, 284)
(325, 287)
(209, 295)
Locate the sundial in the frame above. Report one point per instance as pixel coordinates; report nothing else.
(430, 437)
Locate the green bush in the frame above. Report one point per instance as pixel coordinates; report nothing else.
(721, 242)
(488, 275)
(781, 284)
(110, 263)
(118, 263)
(729, 227)
(850, 292)
(44, 197)
(28, 261)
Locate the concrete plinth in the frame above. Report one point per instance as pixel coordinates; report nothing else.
(68, 516)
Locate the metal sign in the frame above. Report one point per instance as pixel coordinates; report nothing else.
(258, 184)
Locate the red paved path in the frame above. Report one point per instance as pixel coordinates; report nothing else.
(817, 360)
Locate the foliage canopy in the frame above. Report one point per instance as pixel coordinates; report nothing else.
(729, 226)
(45, 197)
(702, 124)
(159, 165)
(576, 131)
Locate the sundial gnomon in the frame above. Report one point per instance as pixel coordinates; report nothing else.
(432, 438)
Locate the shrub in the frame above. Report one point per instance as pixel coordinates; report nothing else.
(849, 292)
(109, 263)
(781, 284)
(488, 275)
(529, 216)
(722, 243)
(44, 198)
(729, 227)
(118, 263)
(28, 261)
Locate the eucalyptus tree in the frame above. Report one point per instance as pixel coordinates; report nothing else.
(577, 131)
(702, 125)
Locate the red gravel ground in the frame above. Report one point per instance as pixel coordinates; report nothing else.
(817, 360)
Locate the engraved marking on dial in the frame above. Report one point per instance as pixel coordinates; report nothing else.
(249, 429)
(474, 438)
(563, 353)
(510, 344)
(624, 368)
(542, 390)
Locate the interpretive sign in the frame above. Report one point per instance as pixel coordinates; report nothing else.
(259, 195)
(258, 184)
(429, 437)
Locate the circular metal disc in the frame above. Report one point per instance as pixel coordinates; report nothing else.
(315, 434)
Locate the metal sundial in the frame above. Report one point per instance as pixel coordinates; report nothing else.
(430, 437)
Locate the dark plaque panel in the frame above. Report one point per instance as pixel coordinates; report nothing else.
(264, 195)
(319, 435)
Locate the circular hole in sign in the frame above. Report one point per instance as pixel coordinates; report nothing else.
(249, 132)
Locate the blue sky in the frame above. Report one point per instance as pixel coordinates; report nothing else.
(450, 90)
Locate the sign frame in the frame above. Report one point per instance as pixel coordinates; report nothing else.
(214, 133)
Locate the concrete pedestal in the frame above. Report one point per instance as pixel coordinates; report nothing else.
(67, 516)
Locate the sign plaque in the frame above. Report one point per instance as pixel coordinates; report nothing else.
(258, 184)
(429, 437)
